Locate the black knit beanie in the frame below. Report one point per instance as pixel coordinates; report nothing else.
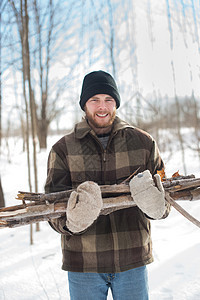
(98, 82)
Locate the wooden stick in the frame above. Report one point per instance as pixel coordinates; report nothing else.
(172, 185)
(181, 210)
(44, 207)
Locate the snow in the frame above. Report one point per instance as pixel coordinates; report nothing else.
(32, 272)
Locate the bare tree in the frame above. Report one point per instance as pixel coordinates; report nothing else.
(0, 84)
(26, 53)
(44, 65)
(187, 21)
(196, 106)
(108, 32)
(22, 19)
(2, 201)
(47, 30)
(49, 23)
(2, 7)
(178, 117)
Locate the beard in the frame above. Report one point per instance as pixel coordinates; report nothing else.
(93, 119)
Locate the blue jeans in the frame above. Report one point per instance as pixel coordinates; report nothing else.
(128, 285)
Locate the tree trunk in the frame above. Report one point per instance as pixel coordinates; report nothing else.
(32, 102)
(2, 201)
(179, 134)
(0, 87)
(42, 133)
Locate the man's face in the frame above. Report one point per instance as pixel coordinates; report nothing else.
(100, 111)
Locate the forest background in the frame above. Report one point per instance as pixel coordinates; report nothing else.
(152, 48)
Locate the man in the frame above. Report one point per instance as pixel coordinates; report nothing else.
(113, 250)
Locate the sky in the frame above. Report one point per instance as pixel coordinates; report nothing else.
(155, 56)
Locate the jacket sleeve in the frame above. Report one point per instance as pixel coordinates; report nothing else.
(58, 179)
(58, 174)
(155, 164)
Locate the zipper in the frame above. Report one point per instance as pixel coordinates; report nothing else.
(104, 166)
(104, 152)
(103, 158)
(104, 155)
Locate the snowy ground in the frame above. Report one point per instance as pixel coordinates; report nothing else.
(34, 272)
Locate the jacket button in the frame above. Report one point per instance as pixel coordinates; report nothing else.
(79, 177)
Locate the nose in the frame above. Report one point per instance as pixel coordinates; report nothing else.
(102, 105)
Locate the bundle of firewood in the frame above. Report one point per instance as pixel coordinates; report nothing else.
(38, 207)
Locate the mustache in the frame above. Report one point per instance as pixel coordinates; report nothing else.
(102, 112)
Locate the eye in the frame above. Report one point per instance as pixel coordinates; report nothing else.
(110, 100)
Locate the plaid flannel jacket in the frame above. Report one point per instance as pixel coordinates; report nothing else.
(119, 241)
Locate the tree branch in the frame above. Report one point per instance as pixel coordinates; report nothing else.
(44, 207)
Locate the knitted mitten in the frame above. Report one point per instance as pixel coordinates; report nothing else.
(84, 206)
(148, 196)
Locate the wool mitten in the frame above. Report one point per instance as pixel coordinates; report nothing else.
(148, 196)
(84, 206)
